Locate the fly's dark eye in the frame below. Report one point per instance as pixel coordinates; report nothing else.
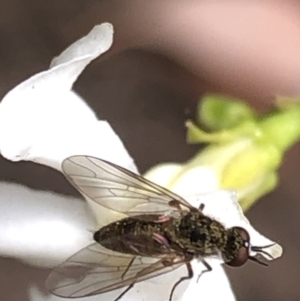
(243, 250)
(240, 259)
(244, 234)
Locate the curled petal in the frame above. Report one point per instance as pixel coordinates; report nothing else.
(98, 41)
(44, 121)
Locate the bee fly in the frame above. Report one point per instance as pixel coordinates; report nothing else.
(159, 232)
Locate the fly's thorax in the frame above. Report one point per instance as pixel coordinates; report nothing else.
(198, 234)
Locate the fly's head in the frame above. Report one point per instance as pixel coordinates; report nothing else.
(238, 248)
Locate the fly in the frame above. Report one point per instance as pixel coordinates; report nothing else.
(159, 233)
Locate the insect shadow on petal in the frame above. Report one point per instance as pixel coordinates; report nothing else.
(159, 233)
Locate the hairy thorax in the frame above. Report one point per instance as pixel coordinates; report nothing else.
(198, 234)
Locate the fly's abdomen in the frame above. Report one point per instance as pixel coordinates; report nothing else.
(132, 236)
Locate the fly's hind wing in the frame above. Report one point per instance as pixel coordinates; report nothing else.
(119, 189)
(96, 270)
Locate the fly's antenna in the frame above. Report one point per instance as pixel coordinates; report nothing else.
(262, 251)
(258, 261)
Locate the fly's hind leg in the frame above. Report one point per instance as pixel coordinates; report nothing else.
(208, 269)
(189, 276)
(123, 293)
(128, 267)
(122, 277)
(177, 204)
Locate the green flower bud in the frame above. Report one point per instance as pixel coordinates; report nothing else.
(246, 156)
(218, 112)
(245, 151)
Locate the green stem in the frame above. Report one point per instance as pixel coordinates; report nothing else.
(282, 129)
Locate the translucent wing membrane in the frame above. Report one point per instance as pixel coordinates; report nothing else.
(95, 270)
(118, 189)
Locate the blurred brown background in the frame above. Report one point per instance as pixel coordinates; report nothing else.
(146, 97)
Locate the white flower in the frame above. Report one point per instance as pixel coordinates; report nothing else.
(44, 121)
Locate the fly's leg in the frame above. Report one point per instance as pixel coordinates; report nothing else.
(208, 269)
(201, 207)
(176, 204)
(161, 240)
(122, 277)
(123, 293)
(146, 271)
(128, 267)
(189, 276)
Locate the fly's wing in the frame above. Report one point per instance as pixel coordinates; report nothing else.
(119, 189)
(96, 270)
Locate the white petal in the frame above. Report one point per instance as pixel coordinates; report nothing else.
(174, 177)
(163, 174)
(95, 43)
(98, 140)
(41, 228)
(49, 132)
(196, 180)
